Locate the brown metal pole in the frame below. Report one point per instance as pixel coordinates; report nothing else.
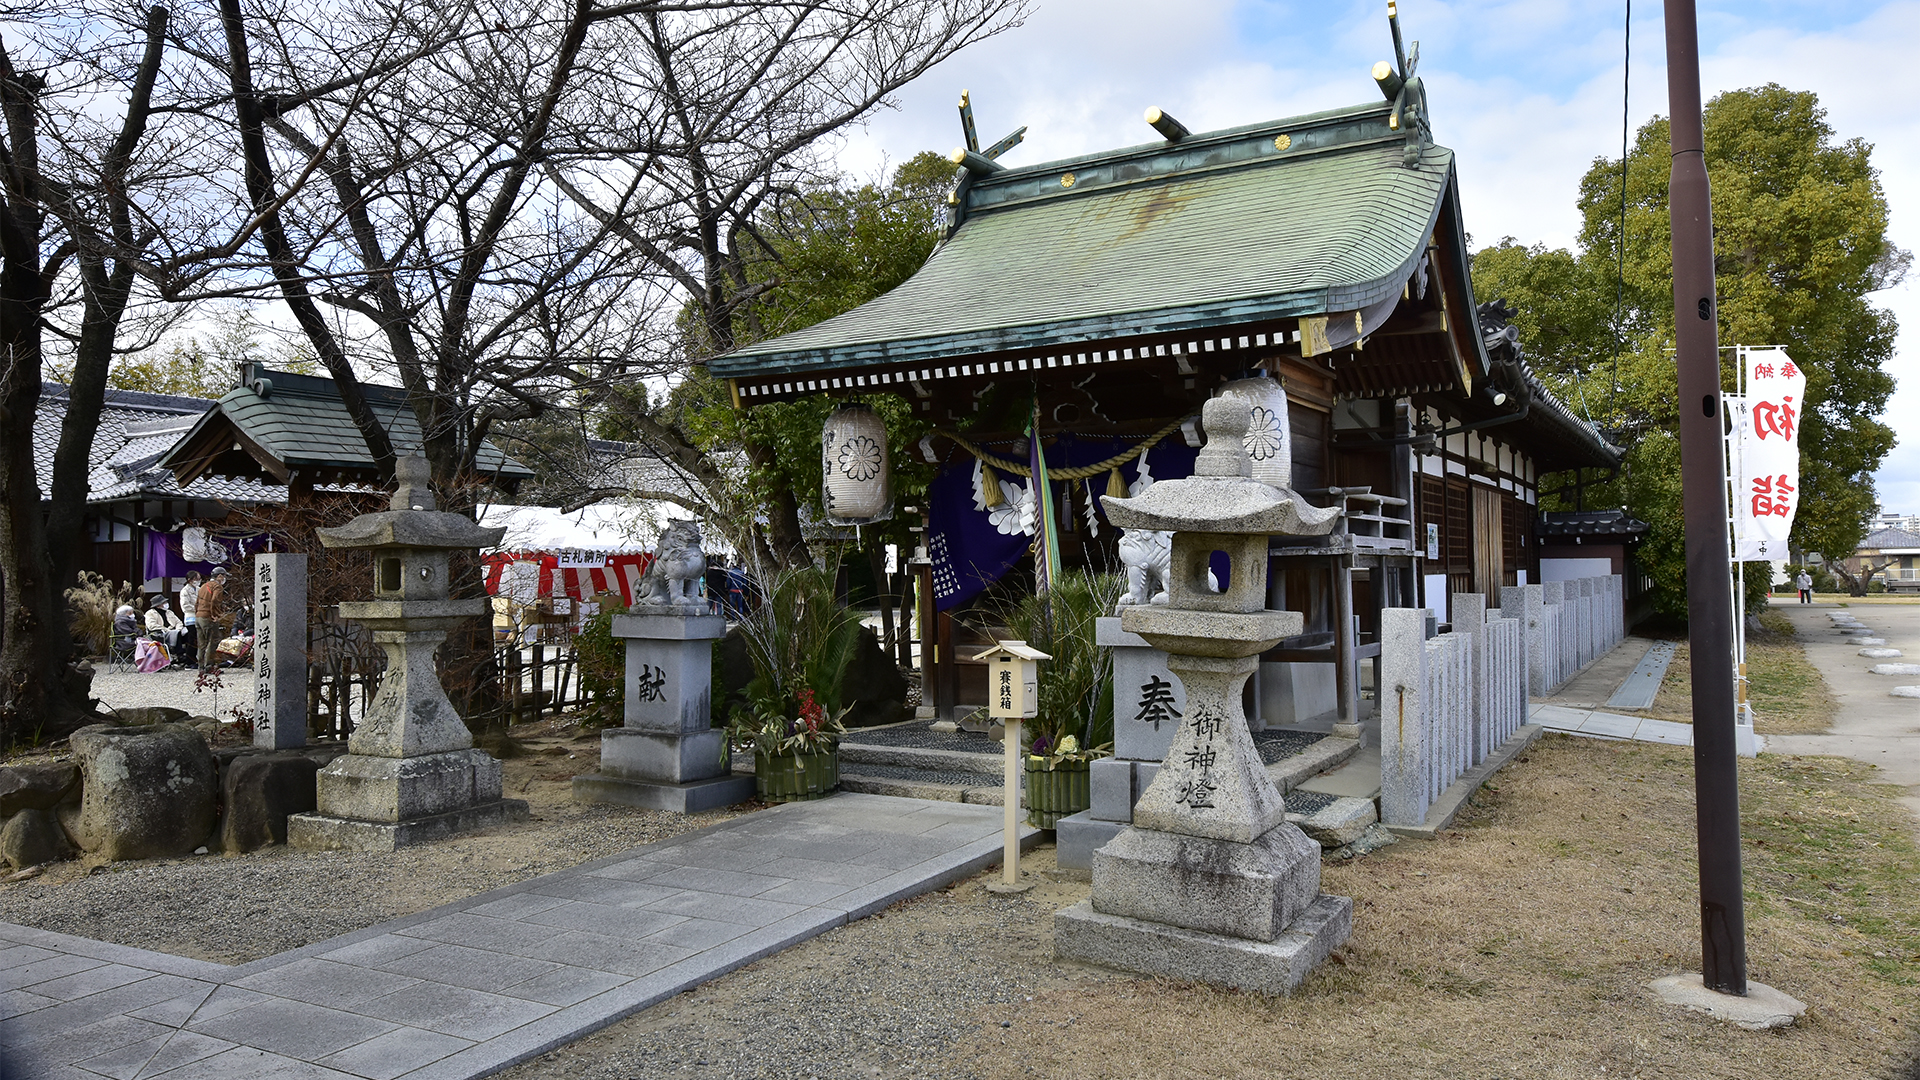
(1723, 925)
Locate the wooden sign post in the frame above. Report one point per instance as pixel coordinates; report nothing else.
(1013, 684)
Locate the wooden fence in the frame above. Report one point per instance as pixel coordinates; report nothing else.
(345, 667)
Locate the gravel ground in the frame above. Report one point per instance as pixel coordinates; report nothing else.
(172, 688)
(886, 996)
(234, 909)
(1274, 745)
(918, 735)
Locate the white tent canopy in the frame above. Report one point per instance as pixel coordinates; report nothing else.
(609, 528)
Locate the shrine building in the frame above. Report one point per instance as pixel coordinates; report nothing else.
(1317, 264)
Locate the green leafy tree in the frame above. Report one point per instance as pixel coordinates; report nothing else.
(822, 253)
(1800, 241)
(193, 368)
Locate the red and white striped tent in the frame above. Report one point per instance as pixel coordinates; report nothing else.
(618, 573)
(548, 554)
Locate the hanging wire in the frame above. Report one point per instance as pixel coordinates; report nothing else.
(1620, 269)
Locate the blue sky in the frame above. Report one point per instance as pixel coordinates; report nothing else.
(1528, 93)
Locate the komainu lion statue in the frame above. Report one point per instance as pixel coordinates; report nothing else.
(673, 578)
(1148, 556)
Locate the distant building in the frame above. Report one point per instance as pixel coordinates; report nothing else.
(1897, 550)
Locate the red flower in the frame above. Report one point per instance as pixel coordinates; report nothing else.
(812, 714)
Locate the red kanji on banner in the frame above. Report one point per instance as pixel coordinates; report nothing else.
(1772, 495)
(1788, 371)
(1771, 419)
(1763, 371)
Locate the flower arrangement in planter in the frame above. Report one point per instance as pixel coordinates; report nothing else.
(799, 640)
(1075, 722)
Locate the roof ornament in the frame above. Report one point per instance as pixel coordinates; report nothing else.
(1401, 86)
(973, 161)
(970, 157)
(1169, 128)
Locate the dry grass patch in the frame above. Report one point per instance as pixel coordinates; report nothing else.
(1519, 944)
(1790, 697)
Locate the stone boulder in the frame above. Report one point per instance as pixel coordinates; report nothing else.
(872, 685)
(32, 837)
(35, 787)
(148, 715)
(148, 792)
(260, 790)
(732, 671)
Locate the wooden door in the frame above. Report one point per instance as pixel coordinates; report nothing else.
(1487, 543)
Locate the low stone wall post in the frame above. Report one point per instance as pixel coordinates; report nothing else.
(1405, 694)
(1552, 597)
(1507, 680)
(1470, 619)
(1523, 604)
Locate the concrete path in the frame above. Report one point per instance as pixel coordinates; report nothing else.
(1639, 688)
(1594, 723)
(1870, 725)
(474, 986)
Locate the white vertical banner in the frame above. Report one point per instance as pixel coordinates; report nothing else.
(1764, 451)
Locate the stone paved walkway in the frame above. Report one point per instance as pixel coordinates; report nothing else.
(1594, 723)
(471, 987)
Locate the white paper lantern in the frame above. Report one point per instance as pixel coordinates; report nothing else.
(857, 468)
(1269, 441)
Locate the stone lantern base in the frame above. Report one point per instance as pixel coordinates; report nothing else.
(381, 803)
(1152, 948)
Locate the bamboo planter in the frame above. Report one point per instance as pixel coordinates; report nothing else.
(1061, 791)
(794, 778)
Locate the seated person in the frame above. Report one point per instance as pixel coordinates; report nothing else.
(126, 621)
(162, 624)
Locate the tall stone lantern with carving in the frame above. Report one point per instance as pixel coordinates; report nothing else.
(1211, 883)
(411, 773)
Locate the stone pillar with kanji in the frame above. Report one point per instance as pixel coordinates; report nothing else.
(666, 755)
(1211, 883)
(279, 650)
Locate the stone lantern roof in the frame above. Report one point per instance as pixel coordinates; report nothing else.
(414, 519)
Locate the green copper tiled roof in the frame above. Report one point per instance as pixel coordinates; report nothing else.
(302, 423)
(1218, 229)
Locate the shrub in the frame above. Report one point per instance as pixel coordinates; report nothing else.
(603, 663)
(93, 602)
(799, 640)
(1076, 699)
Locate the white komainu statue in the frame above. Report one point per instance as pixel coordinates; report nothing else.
(1148, 557)
(673, 578)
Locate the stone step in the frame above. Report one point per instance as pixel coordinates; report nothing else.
(1290, 755)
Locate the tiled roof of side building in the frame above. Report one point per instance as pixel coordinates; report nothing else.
(1590, 523)
(135, 427)
(1890, 540)
(298, 422)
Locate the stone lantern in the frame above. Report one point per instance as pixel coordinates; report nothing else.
(411, 773)
(1211, 883)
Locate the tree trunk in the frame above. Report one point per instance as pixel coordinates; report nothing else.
(783, 517)
(41, 694)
